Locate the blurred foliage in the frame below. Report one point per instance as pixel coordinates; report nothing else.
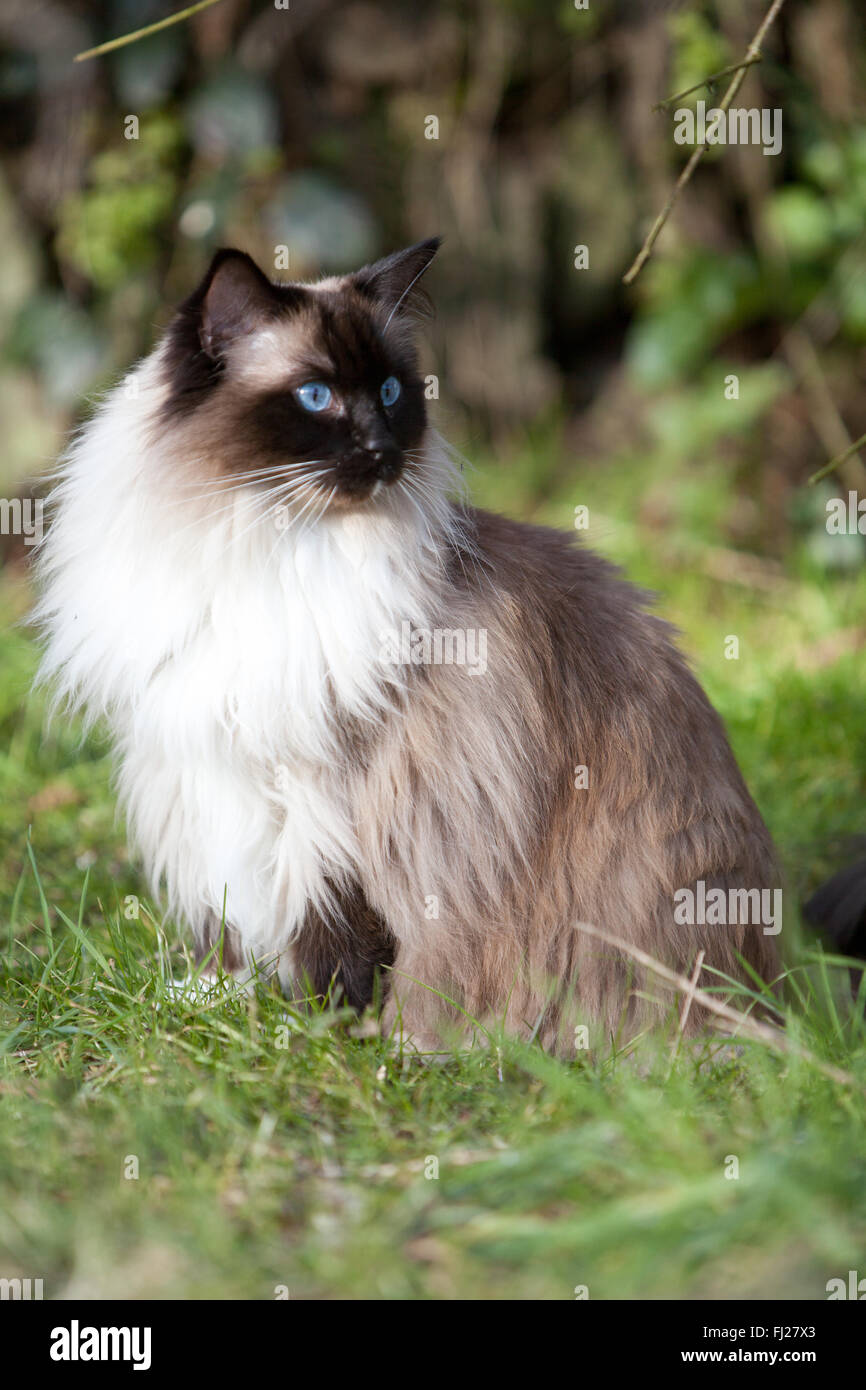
(110, 229)
(309, 129)
(340, 129)
(699, 49)
(691, 305)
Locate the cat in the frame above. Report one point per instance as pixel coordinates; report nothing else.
(378, 742)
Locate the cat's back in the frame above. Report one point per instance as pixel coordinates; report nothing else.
(562, 596)
(574, 640)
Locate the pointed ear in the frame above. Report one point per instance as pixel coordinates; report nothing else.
(234, 298)
(393, 281)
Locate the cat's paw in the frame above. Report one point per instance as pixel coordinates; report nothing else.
(195, 987)
(203, 988)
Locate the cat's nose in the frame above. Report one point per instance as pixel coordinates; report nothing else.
(387, 462)
(382, 459)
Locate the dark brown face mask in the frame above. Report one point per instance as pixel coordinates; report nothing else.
(339, 393)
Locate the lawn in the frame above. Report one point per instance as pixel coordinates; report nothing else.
(157, 1147)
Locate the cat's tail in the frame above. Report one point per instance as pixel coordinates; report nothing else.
(838, 909)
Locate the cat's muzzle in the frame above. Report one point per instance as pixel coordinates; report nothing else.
(359, 475)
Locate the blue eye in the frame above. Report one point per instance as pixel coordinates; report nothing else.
(314, 395)
(390, 391)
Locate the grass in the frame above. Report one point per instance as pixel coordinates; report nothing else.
(279, 1152)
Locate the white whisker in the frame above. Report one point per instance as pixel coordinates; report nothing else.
(274, 469)
(250, 488)
(211, 515)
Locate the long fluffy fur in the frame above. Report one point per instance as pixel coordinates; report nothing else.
(354, 813)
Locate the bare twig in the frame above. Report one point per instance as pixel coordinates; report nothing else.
(739, 1022)
(143, 33)
(839, 459)
(707, 82)
(686, 1009)
(826, 420)
(797, 346)
(753, 52)
(687, 1003)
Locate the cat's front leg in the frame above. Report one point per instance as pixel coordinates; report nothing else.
(219, 949)
(218, 953)
(343, 952)
(425, 1010)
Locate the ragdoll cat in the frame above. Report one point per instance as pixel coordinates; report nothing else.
(351, 714)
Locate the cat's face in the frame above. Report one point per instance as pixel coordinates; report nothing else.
(312, 385)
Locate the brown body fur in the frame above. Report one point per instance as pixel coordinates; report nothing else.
(468, 797)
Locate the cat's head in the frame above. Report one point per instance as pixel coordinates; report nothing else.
(294, 383)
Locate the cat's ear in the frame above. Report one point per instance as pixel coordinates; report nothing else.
(393, 281)
(233, 299)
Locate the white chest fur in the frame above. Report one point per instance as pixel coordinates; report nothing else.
(224, 654)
